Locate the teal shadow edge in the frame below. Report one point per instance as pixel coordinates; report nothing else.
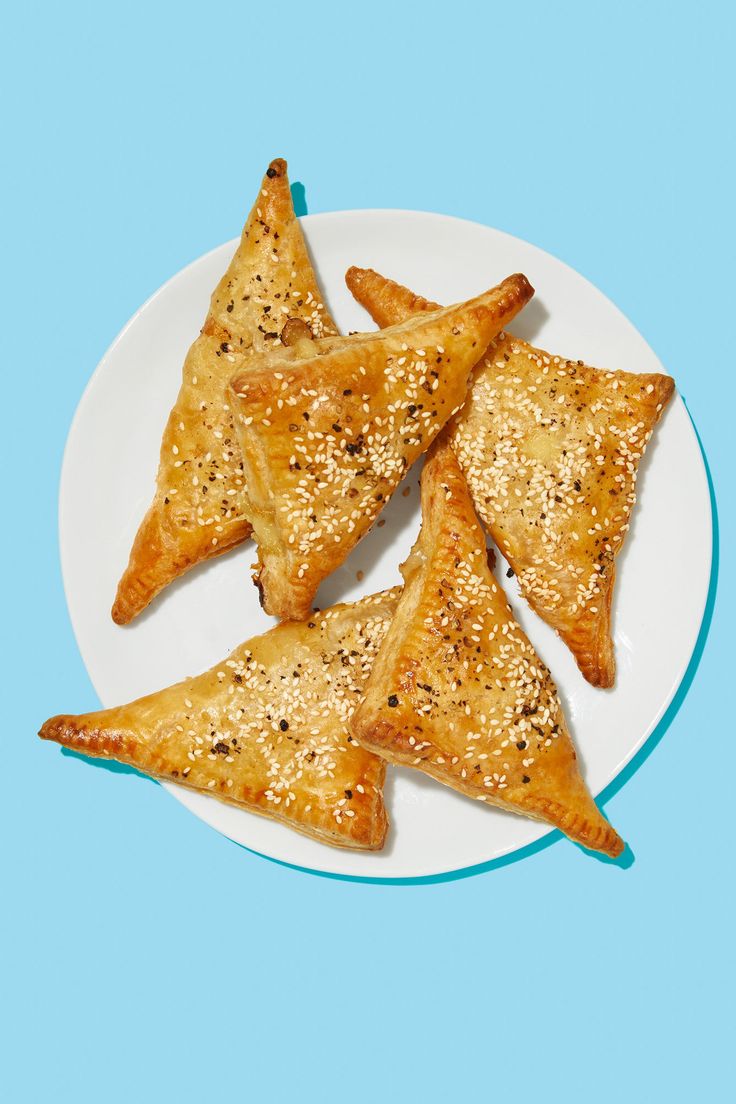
(299, 198)
(626, 858)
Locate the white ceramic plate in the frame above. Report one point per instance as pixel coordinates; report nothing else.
(108, 479)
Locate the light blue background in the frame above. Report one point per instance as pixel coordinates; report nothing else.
(146, 958)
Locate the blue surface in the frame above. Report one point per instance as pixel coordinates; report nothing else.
(145, 957)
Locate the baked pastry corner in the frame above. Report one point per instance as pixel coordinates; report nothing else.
(266, 729)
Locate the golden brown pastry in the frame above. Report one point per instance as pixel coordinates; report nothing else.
(550, 448)
(197, 511)
(266, 729)
(328, 429)
(458, 691)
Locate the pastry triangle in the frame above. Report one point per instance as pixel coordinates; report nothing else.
(328, 429)
(266, 729)
(197, 511)
(457, 689)
(550, 448)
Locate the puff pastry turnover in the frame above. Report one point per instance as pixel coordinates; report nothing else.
(457, 689)
(550, 448)
(197, 509)
(265, 729)
(328, 429)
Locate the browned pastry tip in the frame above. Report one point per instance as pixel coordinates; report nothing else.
(160, 555)
(265, 729)
(387, 302)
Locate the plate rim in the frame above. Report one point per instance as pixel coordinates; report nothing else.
(542, 833)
